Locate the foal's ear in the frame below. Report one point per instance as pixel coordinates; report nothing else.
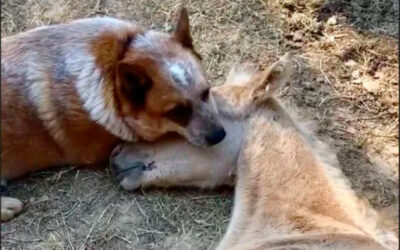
(273, 78)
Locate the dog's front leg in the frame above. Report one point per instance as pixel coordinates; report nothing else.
(10, 207)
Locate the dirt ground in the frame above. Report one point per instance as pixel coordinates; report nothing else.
(346, 82)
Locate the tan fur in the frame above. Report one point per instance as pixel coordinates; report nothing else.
(289, 192)
(71, 92)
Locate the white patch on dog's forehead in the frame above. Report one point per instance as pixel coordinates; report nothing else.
(151, 40)
(179, 73)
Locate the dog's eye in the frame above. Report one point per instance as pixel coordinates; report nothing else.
(204, 95)
(180, 114)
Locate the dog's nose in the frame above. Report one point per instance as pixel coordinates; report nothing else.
(215, 136)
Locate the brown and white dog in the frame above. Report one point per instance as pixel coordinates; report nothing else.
(71, 92)
(288, 195)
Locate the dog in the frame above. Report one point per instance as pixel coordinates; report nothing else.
(288, 192)
(71, 92)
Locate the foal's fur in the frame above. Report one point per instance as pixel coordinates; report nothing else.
(288, 193)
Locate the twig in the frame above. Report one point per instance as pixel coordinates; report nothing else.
(205, 197)
(325, 76)
(91, 229)
(68, 234)
(124, 239)
(149, 231)
(140, 209)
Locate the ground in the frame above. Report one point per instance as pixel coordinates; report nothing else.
(346, 82)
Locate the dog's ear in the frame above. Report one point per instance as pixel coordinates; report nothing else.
(134, 83)
(182, 30)
(272, 79)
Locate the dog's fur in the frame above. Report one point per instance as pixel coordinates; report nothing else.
(71, 92)
(289, 194)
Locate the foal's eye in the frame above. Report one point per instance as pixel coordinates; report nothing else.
(204, 95)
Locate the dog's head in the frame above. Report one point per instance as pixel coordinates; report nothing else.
(163, 88)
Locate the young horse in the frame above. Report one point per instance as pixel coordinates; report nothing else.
(288, 193)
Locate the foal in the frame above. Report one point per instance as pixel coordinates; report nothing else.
(288, 193)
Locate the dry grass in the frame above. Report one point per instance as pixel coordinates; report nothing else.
(346, 82)
(351, 83)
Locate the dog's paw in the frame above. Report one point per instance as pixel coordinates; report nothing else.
(10, 207)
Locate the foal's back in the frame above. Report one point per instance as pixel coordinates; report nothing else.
(288, 196)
